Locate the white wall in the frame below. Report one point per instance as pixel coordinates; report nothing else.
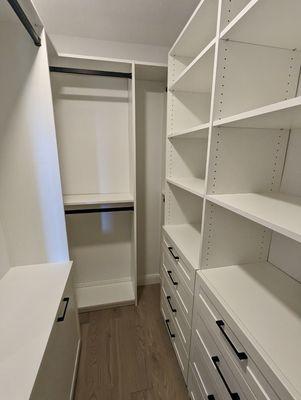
(4, 260)
(31, 208)
(106, 49)
(150, 120)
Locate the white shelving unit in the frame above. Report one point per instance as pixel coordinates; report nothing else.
(239, 98)
(105, 198)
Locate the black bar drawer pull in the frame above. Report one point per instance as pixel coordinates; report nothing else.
(210, 397)
(170, 305)
(234, 396)
(240, 354)
(66, 301)
(170, 333)
(172, 253)
(174, 282)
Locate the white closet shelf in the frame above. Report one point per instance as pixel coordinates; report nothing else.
(102, 296)
(268, 23)
(97, 198)
(200, 131)
(29, 301)
(199, 30)
(265, 305)
(282, 115)
(276, 211)
(192, 185)
(197, 76)
(187, 238)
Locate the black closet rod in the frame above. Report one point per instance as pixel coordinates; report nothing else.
(79, 71)
(98, 210)
(25, 21)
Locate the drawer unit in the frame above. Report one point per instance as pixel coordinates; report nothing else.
(208, 359)
(194, 390)
(182, 293)
(231, 347)
(174, 336)
(184, 270)
(200, 383)
(179, 318)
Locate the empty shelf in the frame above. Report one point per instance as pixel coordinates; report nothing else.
(29, 300)
(90, 297)
(192, 185)
(197, 77)
(282, 115)
(269, 23)
(265, 305)
(87, 199)
(187, 238)
(199, 131)
(277, 211)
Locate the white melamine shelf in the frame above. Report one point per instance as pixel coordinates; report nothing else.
(269, 23)
(197, 76)
(196, 132)
(199, 30)
(30, 297)
(89, 297)
(282, 115)
(89, 199)
(265, 304)
(192, 185)
(187, 238)
(277, 211)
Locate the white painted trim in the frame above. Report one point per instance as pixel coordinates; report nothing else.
(149, 279)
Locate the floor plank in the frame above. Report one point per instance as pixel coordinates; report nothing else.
(127, 355)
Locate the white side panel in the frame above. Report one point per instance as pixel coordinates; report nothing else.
(31, 206)
(4, 260)
(150, 102)
(93, 142)
(291, 181)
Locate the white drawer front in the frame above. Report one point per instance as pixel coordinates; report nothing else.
(194, 389)
(228, 381)
(182, 293)
(186, 272)
(231, 347)
(174, 337)
(182, 325)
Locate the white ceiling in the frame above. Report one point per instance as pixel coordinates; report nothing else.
(154, 22)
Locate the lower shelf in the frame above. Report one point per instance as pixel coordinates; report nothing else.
(97, 297)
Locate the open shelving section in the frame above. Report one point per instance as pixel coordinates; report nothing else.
(237, 98)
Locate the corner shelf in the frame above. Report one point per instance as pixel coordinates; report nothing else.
(192, 185)
(276, 211)
(266, 300)
(197, 132)
(97, 198)
(187, 238)
(282, 115)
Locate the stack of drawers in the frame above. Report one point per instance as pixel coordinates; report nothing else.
(177, 288)
(220, 368)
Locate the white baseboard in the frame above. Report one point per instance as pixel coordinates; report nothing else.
(149, 279)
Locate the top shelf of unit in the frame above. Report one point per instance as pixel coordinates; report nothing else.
(90, 199)
(198, 32)
(29, 301)
(269, 23)
(282, 115)
(261, 299)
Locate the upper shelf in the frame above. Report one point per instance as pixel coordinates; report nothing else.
(192, 185)
(268, 23)
(96, 198)
(199, 30)
(197, 76)
(264, 303)
(29, 301)
(197, 132)
(276, 211)
(282, 115)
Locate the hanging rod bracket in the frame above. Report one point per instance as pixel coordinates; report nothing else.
(93, 72)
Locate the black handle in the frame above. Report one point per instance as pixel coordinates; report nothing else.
(172, 253)
(170, 305)
(66, 300)
(174, 282)
(234, 396)
(240, 354)
(210, 397)
(170, 333)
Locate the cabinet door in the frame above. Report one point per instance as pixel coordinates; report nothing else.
(55, 377)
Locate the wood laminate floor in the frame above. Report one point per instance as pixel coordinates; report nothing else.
(127, 355)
